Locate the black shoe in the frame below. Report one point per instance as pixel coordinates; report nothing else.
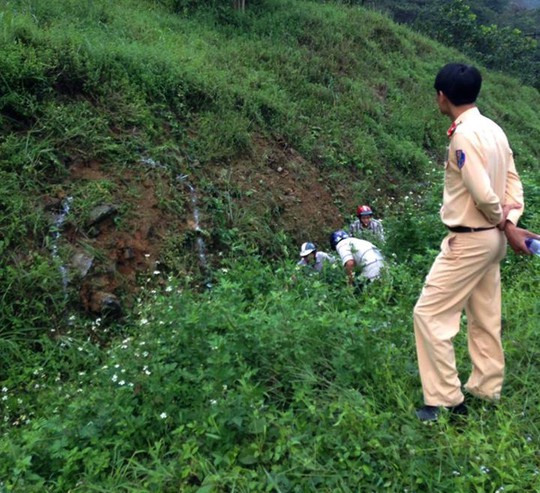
(431, 413)
(459, 410)
(427, 413)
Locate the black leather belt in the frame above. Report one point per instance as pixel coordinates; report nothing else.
(465, 229)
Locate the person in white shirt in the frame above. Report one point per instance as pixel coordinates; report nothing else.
(366, 227)
(310, 257)
(357, 254)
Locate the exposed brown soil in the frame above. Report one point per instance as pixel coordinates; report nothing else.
(273, 177)
(279, 177)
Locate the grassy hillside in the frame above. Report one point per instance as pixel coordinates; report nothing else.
(273, 125)
(339, 100)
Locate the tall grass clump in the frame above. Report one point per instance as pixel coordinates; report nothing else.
(272, 380)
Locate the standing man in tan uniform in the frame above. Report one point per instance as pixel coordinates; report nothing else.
(482, 203)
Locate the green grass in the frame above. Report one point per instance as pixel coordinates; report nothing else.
(265, 384)
(261, 384)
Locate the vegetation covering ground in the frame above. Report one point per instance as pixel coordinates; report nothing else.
(282, 119)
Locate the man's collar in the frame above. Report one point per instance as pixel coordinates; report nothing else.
(461, 118)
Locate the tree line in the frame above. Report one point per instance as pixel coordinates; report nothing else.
(501, 34)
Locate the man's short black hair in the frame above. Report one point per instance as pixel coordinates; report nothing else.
(460, 83)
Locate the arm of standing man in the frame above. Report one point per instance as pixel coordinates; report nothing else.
(514, 196)
(513, 193)
(516, 237)
(471, 163)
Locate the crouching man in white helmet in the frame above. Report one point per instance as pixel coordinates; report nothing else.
(310, 257)
(357, 254)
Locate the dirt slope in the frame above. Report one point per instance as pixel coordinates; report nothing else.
(272, 190)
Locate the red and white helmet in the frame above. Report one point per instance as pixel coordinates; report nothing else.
(364, 210)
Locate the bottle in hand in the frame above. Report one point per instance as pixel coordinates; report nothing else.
(533, 245)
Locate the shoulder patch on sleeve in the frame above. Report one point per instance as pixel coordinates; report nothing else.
(460, 158)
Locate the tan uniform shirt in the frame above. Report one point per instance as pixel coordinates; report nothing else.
(480, 174)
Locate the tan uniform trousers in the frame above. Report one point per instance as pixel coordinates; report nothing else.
(465, 274)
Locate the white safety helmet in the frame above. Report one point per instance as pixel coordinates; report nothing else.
(307, 248)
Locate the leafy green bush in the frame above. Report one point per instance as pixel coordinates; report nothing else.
(262, 382)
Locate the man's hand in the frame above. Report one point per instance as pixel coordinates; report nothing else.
(516, 238)
(505, 210)
(349, 268)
